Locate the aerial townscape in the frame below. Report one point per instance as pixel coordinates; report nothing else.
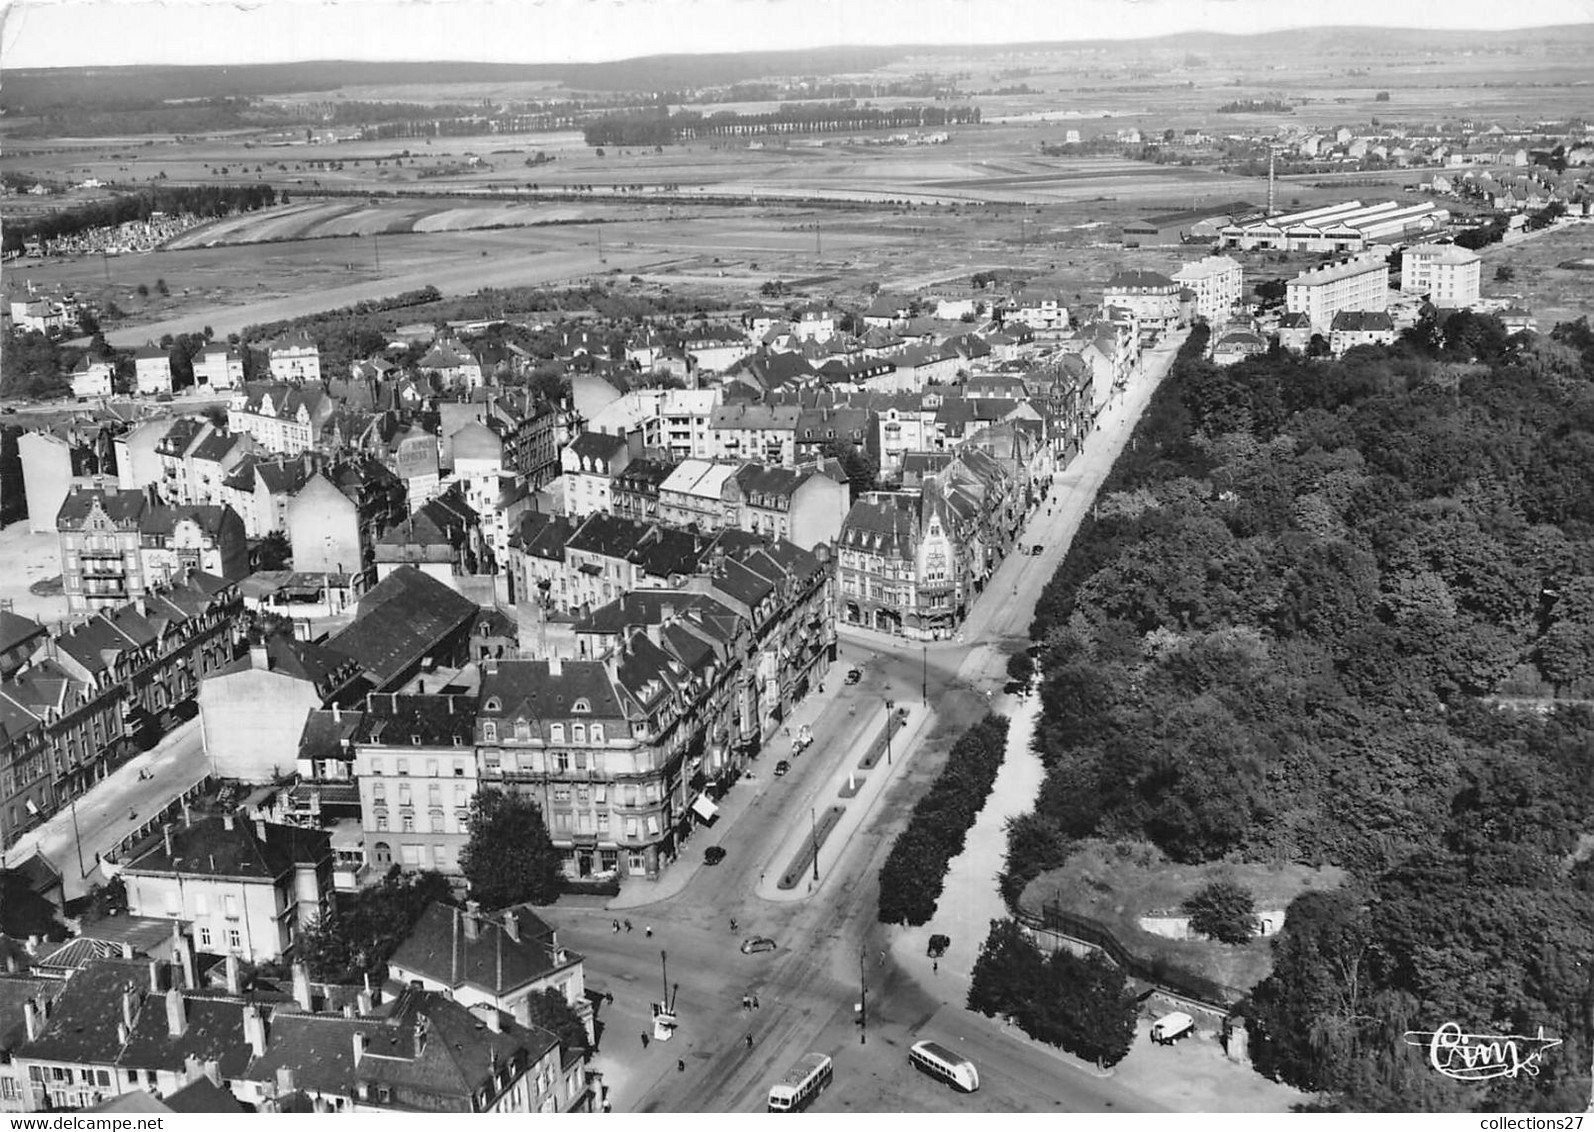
(1044, 575)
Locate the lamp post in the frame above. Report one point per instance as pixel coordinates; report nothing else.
(813, 841)
(888, 732)
(924, 684)
(863, 997)
(77, 837)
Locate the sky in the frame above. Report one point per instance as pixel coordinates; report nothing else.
(61, 33)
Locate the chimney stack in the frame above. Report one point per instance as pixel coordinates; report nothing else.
(227, 821)
(234, 976)
(127, 950)
(359, 1049)
(512, 925)
(472, 912)
(284, 1080)
(166, 836)
(31, 1021)
(495, 1020)
(129, 1008)
(363, 1002)
(301, 986)
(176, 1014)
(255, 1030)
(258, 659)
(337, 714)
(213, 1071)
(556, 666)
(260, 829)
(155, 976)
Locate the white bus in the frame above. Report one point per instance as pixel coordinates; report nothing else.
(798, 1088)
(938, 1061)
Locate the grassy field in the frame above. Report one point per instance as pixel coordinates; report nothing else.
(1116, 885)
(1542, 276)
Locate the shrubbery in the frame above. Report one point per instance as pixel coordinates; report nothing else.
(911, 880)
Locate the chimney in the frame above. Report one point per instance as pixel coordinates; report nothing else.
(512, 926)
(359, 1049)
(129, 1008)
(155, 976)
(260, 829)
(234, 976)
(166, 836)
(226, 821)
(123, 1032)
(556, 666)
(31, 1020)
(258, 659)
(213, 1071)
(495, 1020)
(34, 943)
(184, 947)
(255, 1030)
(362, 1002)
(284, 1080)
(301, 986)
(11, 962)
(337, 714)
(472, 912)
(188, 815)
(176, 1014)
(348, 1010)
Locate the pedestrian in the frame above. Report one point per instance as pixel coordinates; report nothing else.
(617, 927)
(749, 1041)
(628, 925)
(733, 923)
(648, 931)
(680, 1065)
(935, 965)
(755, 1002)
(747, 1003)
(644, 1039)
(607, 1107)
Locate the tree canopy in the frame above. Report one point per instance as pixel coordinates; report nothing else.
(509, 857)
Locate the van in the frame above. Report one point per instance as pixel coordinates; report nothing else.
(1171, 1027)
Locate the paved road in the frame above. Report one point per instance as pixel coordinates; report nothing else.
(830, 944)
(117, 806)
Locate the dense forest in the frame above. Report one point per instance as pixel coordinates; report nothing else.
(1285, 635)
(659, 127)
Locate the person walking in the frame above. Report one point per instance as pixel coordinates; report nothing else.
(680, 1065)
(749, 1041)
(644, 1039)
(628, 925)
(648, 931)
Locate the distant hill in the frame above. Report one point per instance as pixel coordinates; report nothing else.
(38, 89)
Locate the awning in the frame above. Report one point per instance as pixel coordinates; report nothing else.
(704, 808)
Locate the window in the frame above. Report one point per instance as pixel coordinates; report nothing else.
(407, 820)
(435, 817)
(201, 905)
(230, 904)
(603, 821)
(631, 828)
(561, 760)
(602, 792)
(434, 795)
(557, 732)
(597, 732)
(636, 862)
(172, 906)
(578, 733)
(581, 707)
(489, 732)
(412, 855)
(561, 793)
(439, 856)
(378, 790)
(493, 704)
(381, 821)
(404, 766)
(204, 937)
(235, 939)
(630, 793)
(653, 825)
(431, 768)
(459, 769)
(651, 791)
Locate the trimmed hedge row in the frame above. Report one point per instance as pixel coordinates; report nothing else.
(915, 871)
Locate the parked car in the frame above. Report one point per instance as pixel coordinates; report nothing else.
(854, 675)
(714, 854)
(782, 767)
(1036, 549)
(1171, 1027)
(754, 944)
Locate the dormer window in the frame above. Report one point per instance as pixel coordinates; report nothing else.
(581, 707)
(493, 704)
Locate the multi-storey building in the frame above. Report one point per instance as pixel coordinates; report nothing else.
(635, 492)
(702, 496)
(91, 377)
(416, 767)
(1217, 282)
(1355, 283)
(590, 463)
(766, 433)
(284, 419)
(220, 366)
(248, 888)
(294, 357)
(685, 417)
(1447, 274)
(805, 506)
(1152, 298)
(152, 370)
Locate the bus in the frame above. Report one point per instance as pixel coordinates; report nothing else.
(938, 1061)
(798, 1088)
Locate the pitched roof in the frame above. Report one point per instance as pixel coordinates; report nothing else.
(207, 848)
(441, 948)
(598, 445)
(401, 619)
(527, 688)
(82, 1028)
(215, 1032)
(1363, 321)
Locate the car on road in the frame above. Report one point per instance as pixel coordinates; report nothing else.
(854, 675)
(754, 944)
(782, 767)
(714, 854)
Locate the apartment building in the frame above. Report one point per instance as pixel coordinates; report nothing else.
(1355, 283)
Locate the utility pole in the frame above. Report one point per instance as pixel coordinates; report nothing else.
(888, 732)
(77, 838)
(924, 685)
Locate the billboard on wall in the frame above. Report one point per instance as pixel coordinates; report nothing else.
(417, 456)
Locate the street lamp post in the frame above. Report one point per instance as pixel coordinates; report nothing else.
(888, 732)
(863, 997)
(924, 684)
(813, 841)
(77, 837)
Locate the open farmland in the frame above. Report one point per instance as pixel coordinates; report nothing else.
(1552, 274)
